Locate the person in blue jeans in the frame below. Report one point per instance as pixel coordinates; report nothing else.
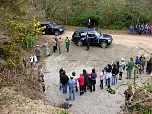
(108, 76)
(72, 88)
(64, 82)
(115, 71)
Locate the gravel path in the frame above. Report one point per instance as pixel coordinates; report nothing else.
(100, 101)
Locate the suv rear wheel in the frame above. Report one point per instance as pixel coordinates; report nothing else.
(103, 44)
(79, 43)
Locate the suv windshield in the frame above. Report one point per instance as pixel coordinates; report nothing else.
(96, 33)
(53, 24)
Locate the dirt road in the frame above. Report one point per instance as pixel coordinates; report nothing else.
(99, 102)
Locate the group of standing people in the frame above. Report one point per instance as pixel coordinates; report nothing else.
(57, 44)
(108, 76)
(33, 59)
(85, 80)
(141, 29)
(139, 66)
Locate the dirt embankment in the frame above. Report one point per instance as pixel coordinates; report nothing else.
(13, 103)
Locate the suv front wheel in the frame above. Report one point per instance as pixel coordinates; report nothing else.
(57, 33)
(103, 44)
(79, 43)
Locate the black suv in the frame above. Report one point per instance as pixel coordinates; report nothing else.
(52, 28)
(79, 37)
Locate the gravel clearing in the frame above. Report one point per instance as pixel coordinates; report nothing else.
(100, 101)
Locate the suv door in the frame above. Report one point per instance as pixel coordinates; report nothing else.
(76, 36)
(49, 29)
(93, 38)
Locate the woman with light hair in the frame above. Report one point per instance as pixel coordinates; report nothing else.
(122, 65)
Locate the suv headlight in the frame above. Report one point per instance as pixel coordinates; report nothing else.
(60, 29)
(109, 40)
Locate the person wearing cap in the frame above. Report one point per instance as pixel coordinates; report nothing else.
(38, 52)
(122, 65)
(130, 67)
(67, 41)
(72, 88)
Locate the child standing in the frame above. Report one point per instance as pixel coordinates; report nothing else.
(32, 61)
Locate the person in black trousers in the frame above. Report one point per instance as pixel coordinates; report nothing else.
(93, 80)
(86, 76)
(87, 41)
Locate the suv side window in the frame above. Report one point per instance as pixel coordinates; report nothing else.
(48, 26)
(83, 34)
(91, 35)
(76, 34)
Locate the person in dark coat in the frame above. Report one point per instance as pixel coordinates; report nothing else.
(149, 66)
(109, 67)
(115, 71)
(93, 80)
(61, 71)
(138, 63)
(87, 41)
(66, 104)
(64, 81)
(86, 76)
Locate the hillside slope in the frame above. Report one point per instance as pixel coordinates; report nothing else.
(12, 102)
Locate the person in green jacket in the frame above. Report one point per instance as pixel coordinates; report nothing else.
(130, 67)
(67, 41)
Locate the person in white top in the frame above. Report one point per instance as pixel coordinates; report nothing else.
(32, 61)
(122, 66)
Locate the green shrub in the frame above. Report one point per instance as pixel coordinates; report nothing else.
(29, 41)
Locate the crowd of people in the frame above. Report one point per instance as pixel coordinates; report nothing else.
(108, 76)
(144, 29)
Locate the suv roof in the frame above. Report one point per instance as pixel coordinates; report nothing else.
(45, 22)
(84, 29)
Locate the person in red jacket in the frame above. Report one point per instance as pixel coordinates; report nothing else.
(81, 84)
